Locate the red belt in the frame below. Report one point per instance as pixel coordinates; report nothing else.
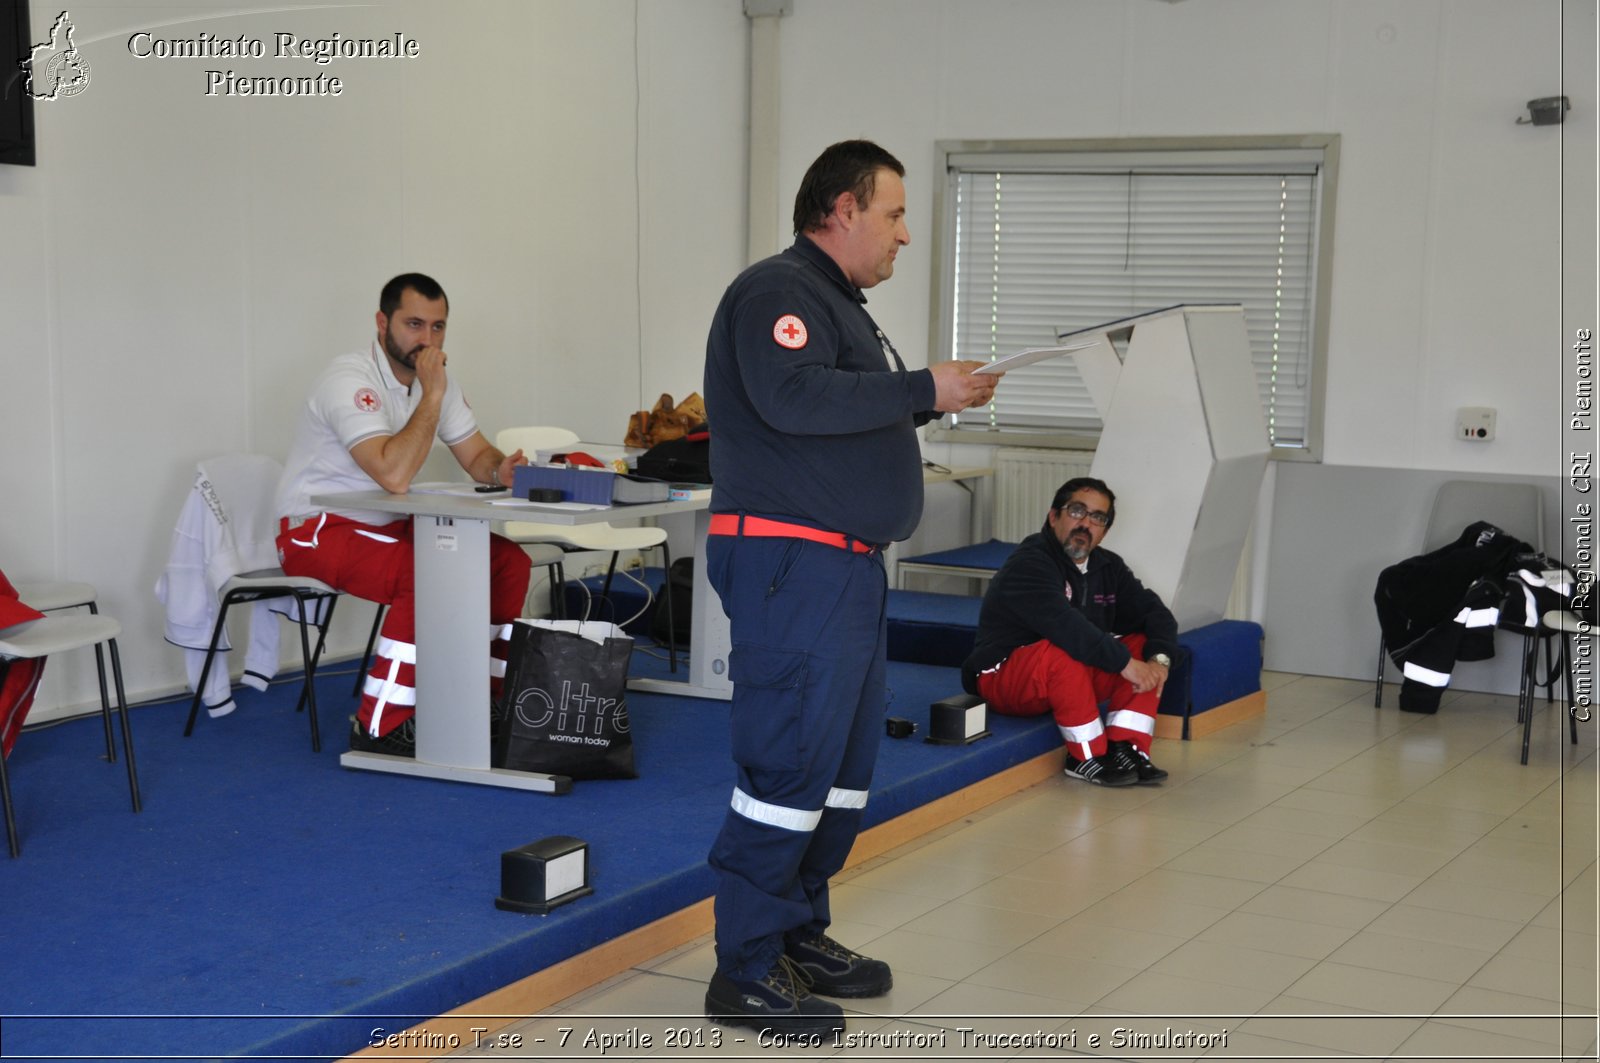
(761, 527)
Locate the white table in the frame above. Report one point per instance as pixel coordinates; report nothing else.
(451, 558)
(450, 534)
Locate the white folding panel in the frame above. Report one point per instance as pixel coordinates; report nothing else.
(1184, 447)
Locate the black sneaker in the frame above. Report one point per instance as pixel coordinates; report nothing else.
(836, 971)
(778, 1001)
(1100, 771)
(400, 742)
(1126, 755)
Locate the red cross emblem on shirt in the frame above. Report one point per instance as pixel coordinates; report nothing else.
(790, 332)
(367, 400)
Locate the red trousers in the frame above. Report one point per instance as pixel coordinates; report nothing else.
(1040, 677)
(374, 562)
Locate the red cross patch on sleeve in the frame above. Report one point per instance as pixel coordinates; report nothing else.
(790, 332)
(367, 400)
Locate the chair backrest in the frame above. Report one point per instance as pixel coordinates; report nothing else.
(1515, 508)
(246, 487)
(531, 439)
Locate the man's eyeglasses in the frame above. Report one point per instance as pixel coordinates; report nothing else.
(1078, 511)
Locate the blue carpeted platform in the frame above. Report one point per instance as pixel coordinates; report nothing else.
(1219, 662)
(986, 556)
(927, 628)
(268, 902)
(1227, 662)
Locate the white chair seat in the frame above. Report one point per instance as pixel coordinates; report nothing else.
(274, 577)
(56, 594)
(533, 439)
(56, 634)
(542, 554)
(1556, 620)
(606, 538)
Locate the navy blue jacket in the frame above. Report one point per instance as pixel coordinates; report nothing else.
(1040, 594)
(820, 427)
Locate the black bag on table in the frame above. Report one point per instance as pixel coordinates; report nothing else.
(564, 705)
(686, 460)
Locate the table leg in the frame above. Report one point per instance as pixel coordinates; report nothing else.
(452, 637)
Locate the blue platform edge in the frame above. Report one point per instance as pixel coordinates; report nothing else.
(1224, 663)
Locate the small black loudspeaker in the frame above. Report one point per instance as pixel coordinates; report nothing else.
(544, 874)
(958, 720)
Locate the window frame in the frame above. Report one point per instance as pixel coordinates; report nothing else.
(1040, 154)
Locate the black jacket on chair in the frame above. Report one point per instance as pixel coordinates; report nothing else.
(1442, 607)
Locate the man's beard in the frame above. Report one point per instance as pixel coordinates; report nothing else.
(405, 358)
(1077, 546)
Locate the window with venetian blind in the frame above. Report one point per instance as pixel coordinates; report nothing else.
(1039, 239)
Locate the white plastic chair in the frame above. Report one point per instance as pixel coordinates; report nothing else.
(255, 478)
(58, 634)
(577, 538)
(49, 596)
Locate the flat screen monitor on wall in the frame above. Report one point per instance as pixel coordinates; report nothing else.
(16, 108)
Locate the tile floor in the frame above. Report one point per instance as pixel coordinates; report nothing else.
(1328, 880)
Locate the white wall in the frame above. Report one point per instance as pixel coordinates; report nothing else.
(178, 268)
(1449, 218)
(1447, 269)
(573, 171)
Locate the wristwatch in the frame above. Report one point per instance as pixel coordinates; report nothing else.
(1163, 660)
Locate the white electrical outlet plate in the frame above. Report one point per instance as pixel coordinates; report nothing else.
(1475, 424)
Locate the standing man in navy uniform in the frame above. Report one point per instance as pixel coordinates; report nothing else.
(815, 469)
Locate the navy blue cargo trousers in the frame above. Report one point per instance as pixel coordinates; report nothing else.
(809, 696)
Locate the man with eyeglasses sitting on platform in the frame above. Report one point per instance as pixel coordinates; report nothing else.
(1066, 625)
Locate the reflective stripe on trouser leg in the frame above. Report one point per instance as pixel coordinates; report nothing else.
(807, 628)
(499, 651)
(1042, 677)
(391, 684)
(1081, 739)
(372, 562)
(1131, 717)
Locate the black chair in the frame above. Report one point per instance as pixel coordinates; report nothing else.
(1554, 624)
(246, 484)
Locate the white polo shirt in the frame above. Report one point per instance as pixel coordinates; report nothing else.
(356, 398)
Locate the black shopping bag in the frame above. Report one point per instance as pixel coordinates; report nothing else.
(564, 706)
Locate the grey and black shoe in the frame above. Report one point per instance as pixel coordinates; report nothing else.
(400, 742)
(778, 1001)
(1126, 755)
(835, 971)
(1100, 771)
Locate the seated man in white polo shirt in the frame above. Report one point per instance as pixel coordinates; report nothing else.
(370, 421)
